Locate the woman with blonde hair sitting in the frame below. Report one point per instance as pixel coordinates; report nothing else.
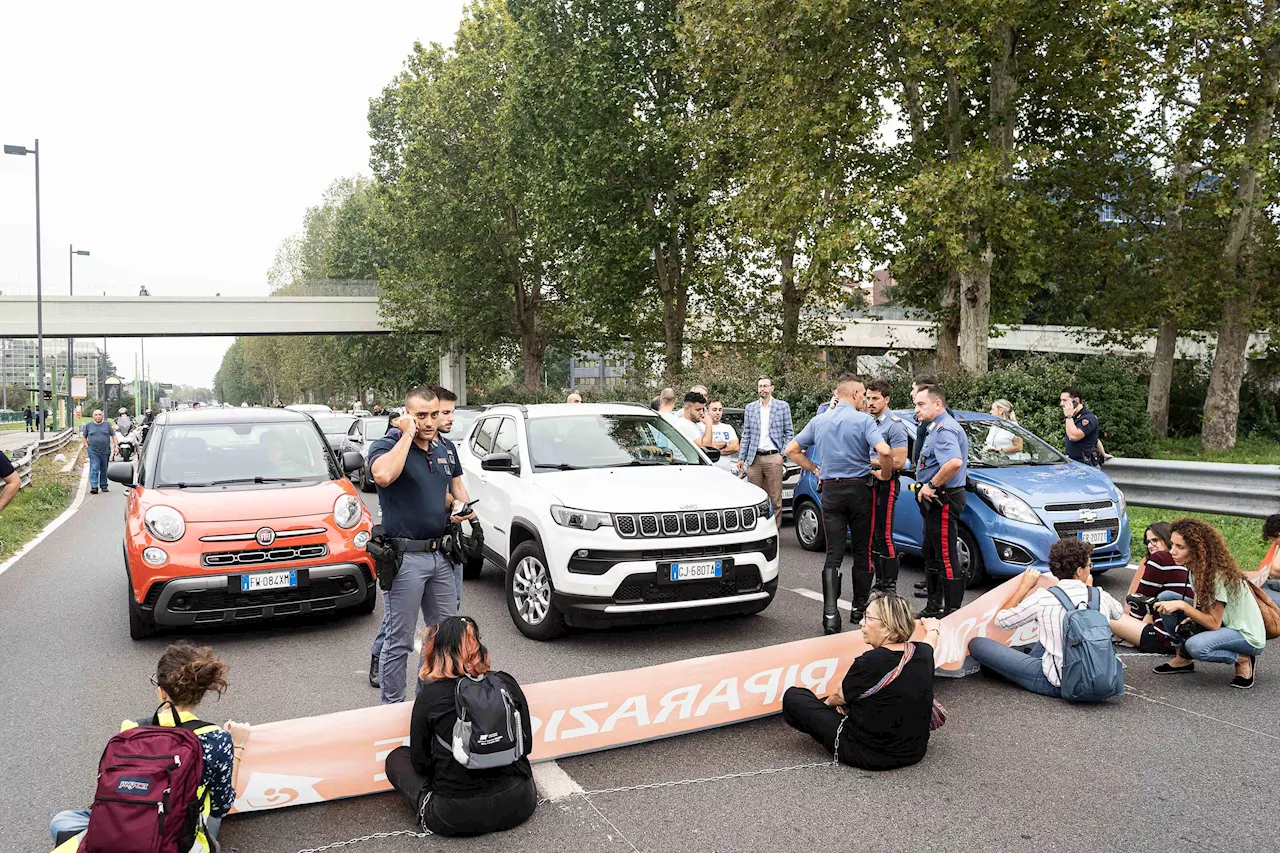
(1000, 439)
(867, 723)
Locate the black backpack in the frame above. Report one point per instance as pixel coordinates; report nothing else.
(489, 732)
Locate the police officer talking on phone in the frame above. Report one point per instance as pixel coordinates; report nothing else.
(845, 438)
(413, 474)
(1083, 444)
(941, 475)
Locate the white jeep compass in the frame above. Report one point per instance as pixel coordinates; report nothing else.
(606, 514)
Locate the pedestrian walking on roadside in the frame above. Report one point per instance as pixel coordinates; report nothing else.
(28, 417)
(100, 439)
(766, 432)
(884, 556)
(844, 438)
(413, 477)
(1083, 444)
(941, 473)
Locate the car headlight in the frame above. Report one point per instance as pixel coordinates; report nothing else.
(361, 539)
(580, 518)
(1121, 506)
(1010, 506)
(764, 509)
(154, 556)
(346, 511)
(165, 523)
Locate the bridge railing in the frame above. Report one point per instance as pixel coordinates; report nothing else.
(1252, 491)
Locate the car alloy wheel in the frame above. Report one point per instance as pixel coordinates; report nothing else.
(531, 590)
(809, 532)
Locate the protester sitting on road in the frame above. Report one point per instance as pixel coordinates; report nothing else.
(496, 791)
(999, 439)
(184, 675)
(12, 482)
(1225, 622)
(1041, 670)
(1156, 575)
(866, 723)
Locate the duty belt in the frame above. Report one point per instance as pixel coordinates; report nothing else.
(417, 546)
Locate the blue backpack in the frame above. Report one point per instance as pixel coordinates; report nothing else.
(1091, 670)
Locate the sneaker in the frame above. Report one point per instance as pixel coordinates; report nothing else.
(105, 489)
(93, 491)
(1170, 669)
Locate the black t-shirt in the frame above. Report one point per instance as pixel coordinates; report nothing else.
(891, 727)
(434, 713)
(1086, 422)
(6, 467)
(413, 504)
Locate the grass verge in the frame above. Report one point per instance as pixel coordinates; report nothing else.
(1255, 451)
(1243, 535)
(49, 494)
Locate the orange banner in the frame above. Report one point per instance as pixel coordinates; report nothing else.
(341, 755)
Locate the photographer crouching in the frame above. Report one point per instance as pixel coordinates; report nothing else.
(413, 475)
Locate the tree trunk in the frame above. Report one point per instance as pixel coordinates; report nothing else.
(975, 308)
(673, 290)
(1162, 377)
(949, 326)
(790, 301)
(1240, 282)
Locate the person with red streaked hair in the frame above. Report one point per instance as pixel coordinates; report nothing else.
(448, 797)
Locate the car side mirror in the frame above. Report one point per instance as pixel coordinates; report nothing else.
(712, 453)
(352, 461)
(499, 462)
(121, 472)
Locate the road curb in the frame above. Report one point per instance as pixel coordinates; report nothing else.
(53, 525)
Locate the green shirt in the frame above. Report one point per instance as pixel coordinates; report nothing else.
(1241, 612)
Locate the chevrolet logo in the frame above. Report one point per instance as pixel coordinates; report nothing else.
(1087, 515)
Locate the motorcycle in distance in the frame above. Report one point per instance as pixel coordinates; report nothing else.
(130, 443)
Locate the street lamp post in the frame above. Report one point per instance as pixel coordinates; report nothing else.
(22, 151)
(71, 355)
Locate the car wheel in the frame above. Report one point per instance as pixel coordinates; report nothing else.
(970, 559)
(125, 453)
(366, 481)
(529, 594)
(370, 599)
(809, 530)
(140, 627)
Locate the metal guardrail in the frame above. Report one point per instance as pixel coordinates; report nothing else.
(24, 457)
(1252, 491)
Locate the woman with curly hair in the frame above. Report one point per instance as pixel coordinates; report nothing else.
(449, 797)
(1226, 624)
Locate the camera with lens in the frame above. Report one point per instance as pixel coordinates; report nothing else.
(1188, 628)
(1141, 606)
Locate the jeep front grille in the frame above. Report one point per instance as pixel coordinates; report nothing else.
(652, 525)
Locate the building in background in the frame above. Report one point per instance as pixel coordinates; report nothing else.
(18, 364)
(597, 370)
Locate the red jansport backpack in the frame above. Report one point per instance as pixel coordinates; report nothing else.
(148, 798)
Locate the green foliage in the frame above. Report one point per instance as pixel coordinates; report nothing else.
(36, 505)
(1243, 535)
(1248, 451)
(1259, 404)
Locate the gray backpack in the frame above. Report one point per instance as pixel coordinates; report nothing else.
(1091, 670)
(489, 732)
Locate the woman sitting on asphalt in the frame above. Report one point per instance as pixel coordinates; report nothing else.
(184, 675)
(449, 797)
(999, 439)
(1156, 574)
(1225, 617)
(890, 727)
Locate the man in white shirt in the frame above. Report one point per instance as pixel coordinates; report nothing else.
(693, 421)
(766, 430)
(724, 436)
(1041, 671)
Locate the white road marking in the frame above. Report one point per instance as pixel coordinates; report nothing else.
(53, 525)
(817, 596)
(553, 783)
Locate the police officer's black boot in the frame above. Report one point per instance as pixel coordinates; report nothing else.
(887, 573)
(933, 605)
(375, 671)
(953, 594)
(861, 594)
(830, 595)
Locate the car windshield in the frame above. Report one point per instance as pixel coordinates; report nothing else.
(376, 427)
(606, 441)
(1001, 444)
(336, 424)
(203, 454)
(462, 421)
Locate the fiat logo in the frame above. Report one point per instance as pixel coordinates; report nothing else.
(265, 536)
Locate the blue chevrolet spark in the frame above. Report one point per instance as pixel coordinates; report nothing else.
(1023, 496)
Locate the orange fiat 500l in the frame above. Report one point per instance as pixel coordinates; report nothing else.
(241, 514)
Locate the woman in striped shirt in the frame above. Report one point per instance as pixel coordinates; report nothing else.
(1156, 574)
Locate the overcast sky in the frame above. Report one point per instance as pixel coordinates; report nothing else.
(180, 144)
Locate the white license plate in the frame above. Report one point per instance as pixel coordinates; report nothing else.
(697, 571)
(268, 580)
(1095, 537)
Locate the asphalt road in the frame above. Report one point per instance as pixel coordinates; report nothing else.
(1181, 764)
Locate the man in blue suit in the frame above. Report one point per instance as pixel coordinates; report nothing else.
(766, 431)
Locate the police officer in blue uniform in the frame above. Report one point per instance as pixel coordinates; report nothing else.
(942, 472)
(884, 557)
(413, 474)
(844, 438)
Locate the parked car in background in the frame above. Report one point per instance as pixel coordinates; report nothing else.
(235, 515)
(790, 471)
(312, 408)
(1019, 504)
(334, 426)
(362, 433)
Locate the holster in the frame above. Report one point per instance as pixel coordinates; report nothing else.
(386, 559)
